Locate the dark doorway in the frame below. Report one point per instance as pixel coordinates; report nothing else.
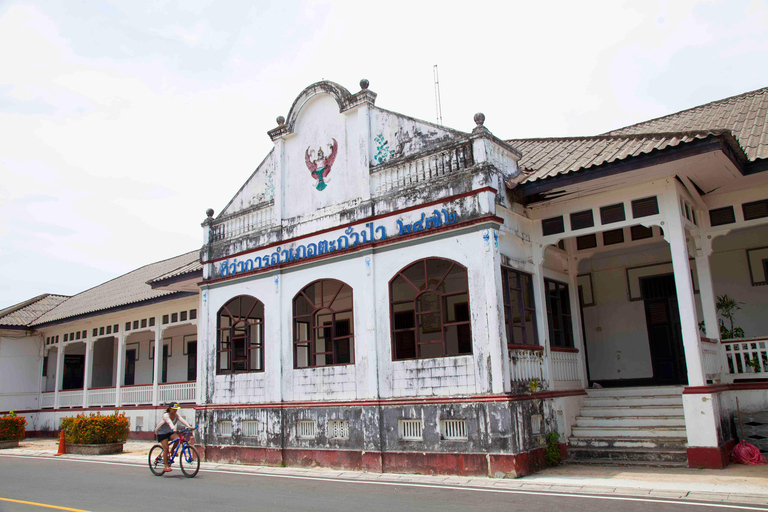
(74, 371)
(192, 360)
(130, 367)
(664, 334)
(165, 364)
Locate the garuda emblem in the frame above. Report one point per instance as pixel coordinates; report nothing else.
(320, 166)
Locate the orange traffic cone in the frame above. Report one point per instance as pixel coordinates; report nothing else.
(62, 445)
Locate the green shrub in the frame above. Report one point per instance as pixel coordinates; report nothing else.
(552, 451)
(96, 429)
(12, 428)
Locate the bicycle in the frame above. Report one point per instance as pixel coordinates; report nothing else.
(189, 461)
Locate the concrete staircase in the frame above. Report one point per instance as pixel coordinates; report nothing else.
(630, 426)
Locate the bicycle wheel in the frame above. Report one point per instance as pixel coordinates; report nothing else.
(189, 461)
(156, 464)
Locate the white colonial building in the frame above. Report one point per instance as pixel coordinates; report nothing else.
(388, 294)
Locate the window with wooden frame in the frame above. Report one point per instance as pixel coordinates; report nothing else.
(429, 310)
(323, 326)
(559, 314)
(240, 336)
(519, 309)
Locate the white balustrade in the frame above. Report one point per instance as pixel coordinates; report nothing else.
(386, 178)
(71, 398)
(565, 365)
(47, 399)
(177, 392)
(101, 396)
(711, 359)
(747, 358)
(525, 365)
(136, 395)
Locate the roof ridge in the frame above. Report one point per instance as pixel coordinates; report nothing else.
(691, 109)
(21, 305)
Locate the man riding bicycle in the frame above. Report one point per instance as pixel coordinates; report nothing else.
(166, 429)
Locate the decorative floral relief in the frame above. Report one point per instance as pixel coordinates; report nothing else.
(383, 153)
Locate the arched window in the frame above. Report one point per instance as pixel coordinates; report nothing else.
(323, 327)
(240, 336)
(429, 310)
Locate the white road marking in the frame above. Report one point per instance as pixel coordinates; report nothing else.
(430, 486)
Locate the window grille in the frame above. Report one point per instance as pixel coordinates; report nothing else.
(582, 220)
(306, 429)
(645, 207)
(614, 236)
(338, 429)
(612, 213)
(552, 226)
(586, 242)
(224, 427)
(641, 232)
(323, 327)
(250, 428)
(721, 216)
(755, 210)
(410, 430)
(453, 429)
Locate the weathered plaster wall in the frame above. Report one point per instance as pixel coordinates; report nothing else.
(20, 367)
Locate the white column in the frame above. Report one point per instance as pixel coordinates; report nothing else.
(675, 234)
(88, 370)
(59, 373)
(366, 354)
(157, 375)
(573, 292)
(494, 340)
(120, 367)
(539, 298)
(706, 288)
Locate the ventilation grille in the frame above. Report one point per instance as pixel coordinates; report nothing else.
(721, 216)
(224, 427)
(755, 210)
(552, 226)
(614, 236)
(586, 242)
(306, 429)
(582, 220)
(453, 429)
(612, 213)
(410, 430)
(641, 232)
(645, 207)
(250, 428)
(338, 429)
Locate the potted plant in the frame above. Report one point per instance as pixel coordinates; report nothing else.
(727, 307)
(12, 430)
(95, 434)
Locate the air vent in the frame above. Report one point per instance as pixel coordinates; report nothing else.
(645, 207)
(338, 429)
(614, 236)
(410, 430)
(552, 226)
(224, 427)
(641, 232)
(250, 428)
(453, 429)
(582, 220)
(306, 429)
(721, 216)
(586, 242)
(612, 213)
(755, 210)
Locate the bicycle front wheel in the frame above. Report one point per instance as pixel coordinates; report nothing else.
(190, 461)
(156, 463)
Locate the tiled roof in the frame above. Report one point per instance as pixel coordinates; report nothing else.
(189, 268)
(24, 313)
(126, 289)
(745, 115)
(544, 158)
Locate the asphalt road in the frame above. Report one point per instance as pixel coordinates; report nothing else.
(39, 484)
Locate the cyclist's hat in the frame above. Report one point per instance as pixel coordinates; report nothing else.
(174, 405)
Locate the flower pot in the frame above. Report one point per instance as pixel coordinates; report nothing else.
(95, 449)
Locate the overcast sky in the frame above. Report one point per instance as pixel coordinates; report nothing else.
(121, 122)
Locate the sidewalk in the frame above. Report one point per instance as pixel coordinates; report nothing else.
(736, 484)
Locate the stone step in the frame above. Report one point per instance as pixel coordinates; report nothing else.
(636, 410)
(659, 443)
(631, 421)
(631, 401)
(637, 463)
(637, 391)
(632, 432)
(628, 455)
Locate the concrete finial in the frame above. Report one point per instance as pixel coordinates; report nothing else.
(209, 212)
(280, 120)
(364, 84)
(479, 119)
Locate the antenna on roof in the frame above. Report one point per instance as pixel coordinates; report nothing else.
(438, 106)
